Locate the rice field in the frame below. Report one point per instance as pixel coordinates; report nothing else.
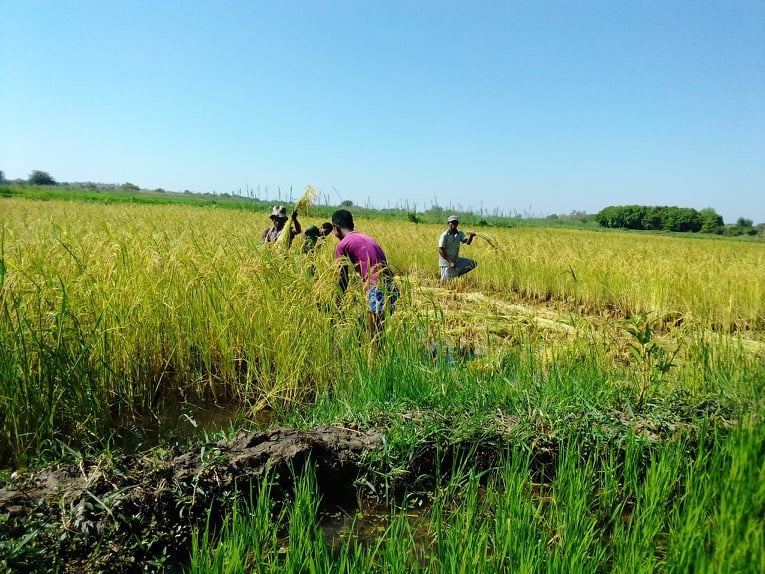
(118, 323)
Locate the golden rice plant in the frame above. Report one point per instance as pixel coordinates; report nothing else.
(713, 282)
(129, 306)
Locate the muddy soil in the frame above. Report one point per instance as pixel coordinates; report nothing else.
(113, 514)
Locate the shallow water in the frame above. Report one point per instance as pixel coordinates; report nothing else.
(364, 526)
(178, 421)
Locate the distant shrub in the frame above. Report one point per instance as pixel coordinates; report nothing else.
(41, 178)
(741, 227)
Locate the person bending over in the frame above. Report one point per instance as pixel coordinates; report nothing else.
(363, 254)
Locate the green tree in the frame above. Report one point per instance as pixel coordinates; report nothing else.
(41, 178)
(711, 222)
(651, 218)
(742, 227)
(746, 226)
(688, 219)
(611, 217)
(633, 216)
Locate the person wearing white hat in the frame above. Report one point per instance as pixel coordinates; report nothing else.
(279, 218)
(449, 260)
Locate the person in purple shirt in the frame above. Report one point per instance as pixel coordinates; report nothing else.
(366, 256)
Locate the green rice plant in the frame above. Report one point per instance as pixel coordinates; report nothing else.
(517, 532)
(574, 533)
(733, 503)
(657, 509)
(641, 545)
(452, 525)
(691, 515)
(306, 549)
(397, 550)
(674, 503)
(245, 541)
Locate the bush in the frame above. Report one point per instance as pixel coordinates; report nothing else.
(41, 178)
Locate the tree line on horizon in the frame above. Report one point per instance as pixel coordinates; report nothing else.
(671, 218)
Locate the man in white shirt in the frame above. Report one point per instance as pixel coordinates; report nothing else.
(452, 265)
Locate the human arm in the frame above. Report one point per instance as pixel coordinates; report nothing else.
(295, 223)
(469, 239)
(343, 277)
(442, 253)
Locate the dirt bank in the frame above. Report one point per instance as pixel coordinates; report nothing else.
(106, 515)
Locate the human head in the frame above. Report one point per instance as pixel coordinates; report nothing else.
(326, 229)
(453, 221)
(279, 216)
(343, 219)
(279, 212)
(312, 231)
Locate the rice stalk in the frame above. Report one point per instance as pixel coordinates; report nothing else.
(490, 240)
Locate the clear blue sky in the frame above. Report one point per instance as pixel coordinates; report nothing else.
(511, 106)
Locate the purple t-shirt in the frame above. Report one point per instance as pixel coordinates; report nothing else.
(365, 254)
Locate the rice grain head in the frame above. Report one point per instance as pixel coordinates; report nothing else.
(309, 198)
(489, 239)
